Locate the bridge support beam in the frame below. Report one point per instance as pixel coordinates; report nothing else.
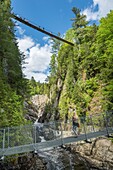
(61, 135)
(88, 141)
(109, 136)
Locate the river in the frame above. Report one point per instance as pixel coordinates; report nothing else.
(63, 159)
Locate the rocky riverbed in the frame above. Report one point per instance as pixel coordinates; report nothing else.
(97, 155)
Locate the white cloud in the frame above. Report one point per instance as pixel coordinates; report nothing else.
(90, 14)
(46, 38)
(38, 76)
(20, 30)
(25, 43)
(38, 58)
(104, 6)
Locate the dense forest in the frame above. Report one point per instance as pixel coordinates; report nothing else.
(80, 77)
(12, 82)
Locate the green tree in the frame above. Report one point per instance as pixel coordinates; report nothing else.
(105, 57)
(12, 82)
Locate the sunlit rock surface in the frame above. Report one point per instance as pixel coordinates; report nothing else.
(98, 154)
(34, 108)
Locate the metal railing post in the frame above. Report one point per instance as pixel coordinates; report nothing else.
(61, 134)
(86, 139)
(106, 125)
(8, 137)
(92, 123)
(56, 128)
(85, 131)
(3, 139)
(35, 135)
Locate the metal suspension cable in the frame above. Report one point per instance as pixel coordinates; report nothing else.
(39, 29)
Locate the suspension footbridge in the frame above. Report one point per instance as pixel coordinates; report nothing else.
(38, 137)
(29, 24)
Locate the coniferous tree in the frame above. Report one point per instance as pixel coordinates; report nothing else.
(11, 77)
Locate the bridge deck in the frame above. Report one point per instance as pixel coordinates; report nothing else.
(15, 140)
(51, 143)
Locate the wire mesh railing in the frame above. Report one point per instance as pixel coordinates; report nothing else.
(48, 133)
(24, 135)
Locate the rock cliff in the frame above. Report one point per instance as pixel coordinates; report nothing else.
(35, 107)
(98, 154)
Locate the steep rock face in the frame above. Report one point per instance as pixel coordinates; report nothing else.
(98, 154)
(40, 101)
(31, 111)
(35, 108)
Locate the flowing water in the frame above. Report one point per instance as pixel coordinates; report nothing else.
(61, 159)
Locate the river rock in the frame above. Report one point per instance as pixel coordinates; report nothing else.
(99, 153)
(48, 133)
(30, 161)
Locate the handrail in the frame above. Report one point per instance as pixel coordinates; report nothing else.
(15, 140)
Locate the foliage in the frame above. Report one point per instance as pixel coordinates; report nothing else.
(80, 76)
(105, 54)
(11, 107)
(85, 70)
(12, 82)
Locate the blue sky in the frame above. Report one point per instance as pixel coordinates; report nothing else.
(54, 16)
